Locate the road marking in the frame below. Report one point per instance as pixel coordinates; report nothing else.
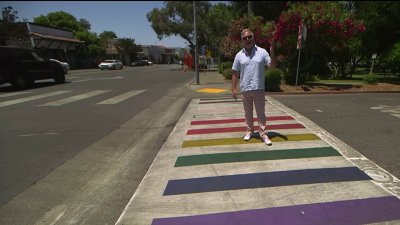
(16, 101)
(264, 180)
(104, 78)
(12, 94)
(355, 211)
(237, 141)
(212, 90)
(241, 120)
(392, 110)
(204, 159)
(30, 135)
(319, 110)
(75, 98)
(396, 115)
(122, 97)
(242, 128)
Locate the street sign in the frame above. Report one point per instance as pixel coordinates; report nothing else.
(304, 32)
(300, 36)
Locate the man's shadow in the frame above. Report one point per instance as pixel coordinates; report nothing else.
(271, 134)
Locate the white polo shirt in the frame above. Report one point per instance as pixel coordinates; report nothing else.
(251, 68)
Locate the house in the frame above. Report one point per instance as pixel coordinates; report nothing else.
(51, 42)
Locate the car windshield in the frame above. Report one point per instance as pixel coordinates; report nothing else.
(109, 61)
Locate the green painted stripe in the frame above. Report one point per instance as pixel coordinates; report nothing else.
(238, 141)
(192, 160)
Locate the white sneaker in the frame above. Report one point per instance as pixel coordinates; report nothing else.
(266, 139)
(247, 136)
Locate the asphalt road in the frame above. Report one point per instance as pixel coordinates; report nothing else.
(369, 123)
(74, 153)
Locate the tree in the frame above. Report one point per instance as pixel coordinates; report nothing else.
(382, 22)
(176, 18)
(269, 10)
(105, 36)
(127, 48)
(383, 28)
(218, 22)
(231, 43)
(330, 32)
(9, 27)
(85, 24)
(94, 50)
(61, 20)
(9, 15)
(329, 39)
(392, 61)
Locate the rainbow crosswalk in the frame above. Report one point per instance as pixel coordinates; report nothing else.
(205, 174)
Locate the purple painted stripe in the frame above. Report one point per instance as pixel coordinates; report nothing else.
(348, 212)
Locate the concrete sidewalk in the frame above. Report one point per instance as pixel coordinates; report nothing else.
(206, 174)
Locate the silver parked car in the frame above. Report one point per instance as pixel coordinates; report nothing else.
(63, 64)
(111, 64)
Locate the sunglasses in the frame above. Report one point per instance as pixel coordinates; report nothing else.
(247, 37)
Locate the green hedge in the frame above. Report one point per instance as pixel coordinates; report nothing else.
(227, 73)
(273, 78)
(223, 65)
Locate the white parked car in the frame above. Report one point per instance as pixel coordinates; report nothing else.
(63, 64)
(147, 62)
(111, 64)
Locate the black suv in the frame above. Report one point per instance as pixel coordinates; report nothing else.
(21, 67)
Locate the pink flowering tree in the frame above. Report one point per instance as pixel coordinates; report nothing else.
(231, 43)
(331, 41)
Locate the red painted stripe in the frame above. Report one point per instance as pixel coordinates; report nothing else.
(242, 128)
(271, 118)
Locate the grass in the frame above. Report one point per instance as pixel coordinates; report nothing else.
(357, 78)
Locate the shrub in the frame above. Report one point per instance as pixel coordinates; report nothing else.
(273, 78)
(370, 78)
(227, 73)
(223, 65)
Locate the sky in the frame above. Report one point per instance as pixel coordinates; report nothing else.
(127, 19)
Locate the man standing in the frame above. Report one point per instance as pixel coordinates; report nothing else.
(249, 65)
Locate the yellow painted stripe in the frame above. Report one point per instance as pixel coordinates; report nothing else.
(238, 141)
(211, 90)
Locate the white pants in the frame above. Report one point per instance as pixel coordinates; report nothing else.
(257, 98)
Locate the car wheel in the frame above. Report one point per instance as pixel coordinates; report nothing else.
(59, 77)
(22, 82)
(113, 67)
(122, 67)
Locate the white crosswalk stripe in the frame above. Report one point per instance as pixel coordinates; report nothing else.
(75, 98)
(122, 97)
(20, 100)
(12, 94)
(113, 100)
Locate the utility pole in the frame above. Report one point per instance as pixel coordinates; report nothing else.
(250, 7)
(196, 52)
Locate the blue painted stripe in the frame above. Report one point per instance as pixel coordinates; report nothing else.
(266, 179)
(347, 212)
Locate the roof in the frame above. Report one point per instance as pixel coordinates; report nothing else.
(46, 36)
